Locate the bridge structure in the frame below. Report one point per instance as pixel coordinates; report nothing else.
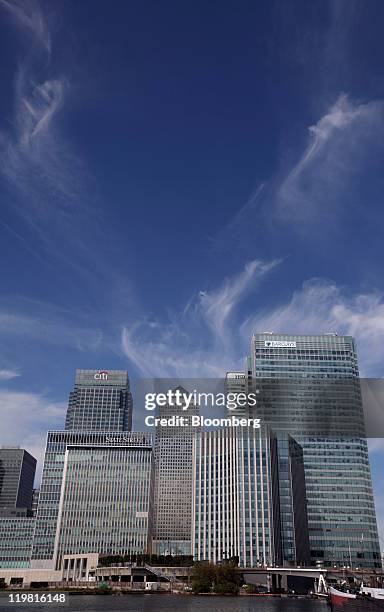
(275, 577)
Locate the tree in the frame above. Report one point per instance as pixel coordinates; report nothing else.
(203, 576)
(222, 578)
(226, 579)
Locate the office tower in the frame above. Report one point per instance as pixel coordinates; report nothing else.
(16, 536)
(105, 504)
(17, 475)
(101, 400)
(71, 452)
(236, 383)
(232, 514)
(309, 388)
(290, 499)
(173, 483)
(35, 501)
(240, 509)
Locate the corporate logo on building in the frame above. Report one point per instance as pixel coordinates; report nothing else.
(279, 344)
(101, 375)
(133, 438)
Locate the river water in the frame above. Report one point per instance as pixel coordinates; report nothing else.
(174, 603)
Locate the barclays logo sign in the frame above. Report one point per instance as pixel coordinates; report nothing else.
(279, 344)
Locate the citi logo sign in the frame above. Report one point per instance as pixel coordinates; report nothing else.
(101, 376)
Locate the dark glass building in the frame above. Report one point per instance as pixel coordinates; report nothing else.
(309, 388)
(101, 401)
(289, 502)
(17, 475)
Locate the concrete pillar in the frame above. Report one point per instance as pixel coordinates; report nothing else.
(279, 577)
(274, 582)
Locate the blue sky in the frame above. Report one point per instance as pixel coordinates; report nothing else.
(176, 176)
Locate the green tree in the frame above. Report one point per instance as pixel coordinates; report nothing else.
(203, 577)
(226, 579)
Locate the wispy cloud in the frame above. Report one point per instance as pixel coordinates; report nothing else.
(216, 307)
(50, 331)
(25, 418)
(318, 194)
(212, 335)
(45, 324)
(28, 15)
(319, 183)
(8, 374)
(201, 340)
(46, 180)
(32, 161)
(322, 306)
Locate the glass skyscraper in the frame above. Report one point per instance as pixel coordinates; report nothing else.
(232, 502)
(69, 503)
(106, 499)
(16, 535)
(249, 498)
(17, 474)
(97, 474)
(308, 387)
(290, 502)
(17, 525)
(101, 400)
(173, 483)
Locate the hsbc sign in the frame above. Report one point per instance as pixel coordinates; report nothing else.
(101, 376)
(279, 344)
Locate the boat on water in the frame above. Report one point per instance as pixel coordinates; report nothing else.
(366, 599)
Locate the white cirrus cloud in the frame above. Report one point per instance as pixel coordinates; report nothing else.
(50, 332)
(341, 147)
(46, 324)
(200, 341)
(46, 179)
(25, 419)
(28, 15)
(331, 181)
(211, 336)
(322, 306)
(7, 374)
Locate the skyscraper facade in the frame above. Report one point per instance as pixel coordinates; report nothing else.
(35, 501)
(309, 388)
(173, 483)
(290, 502)
(232, 504)
(236, 382)
(16, 536)
(101, 400)
(55, 512)
(17, 475)
(106, 498)
(245, 503)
